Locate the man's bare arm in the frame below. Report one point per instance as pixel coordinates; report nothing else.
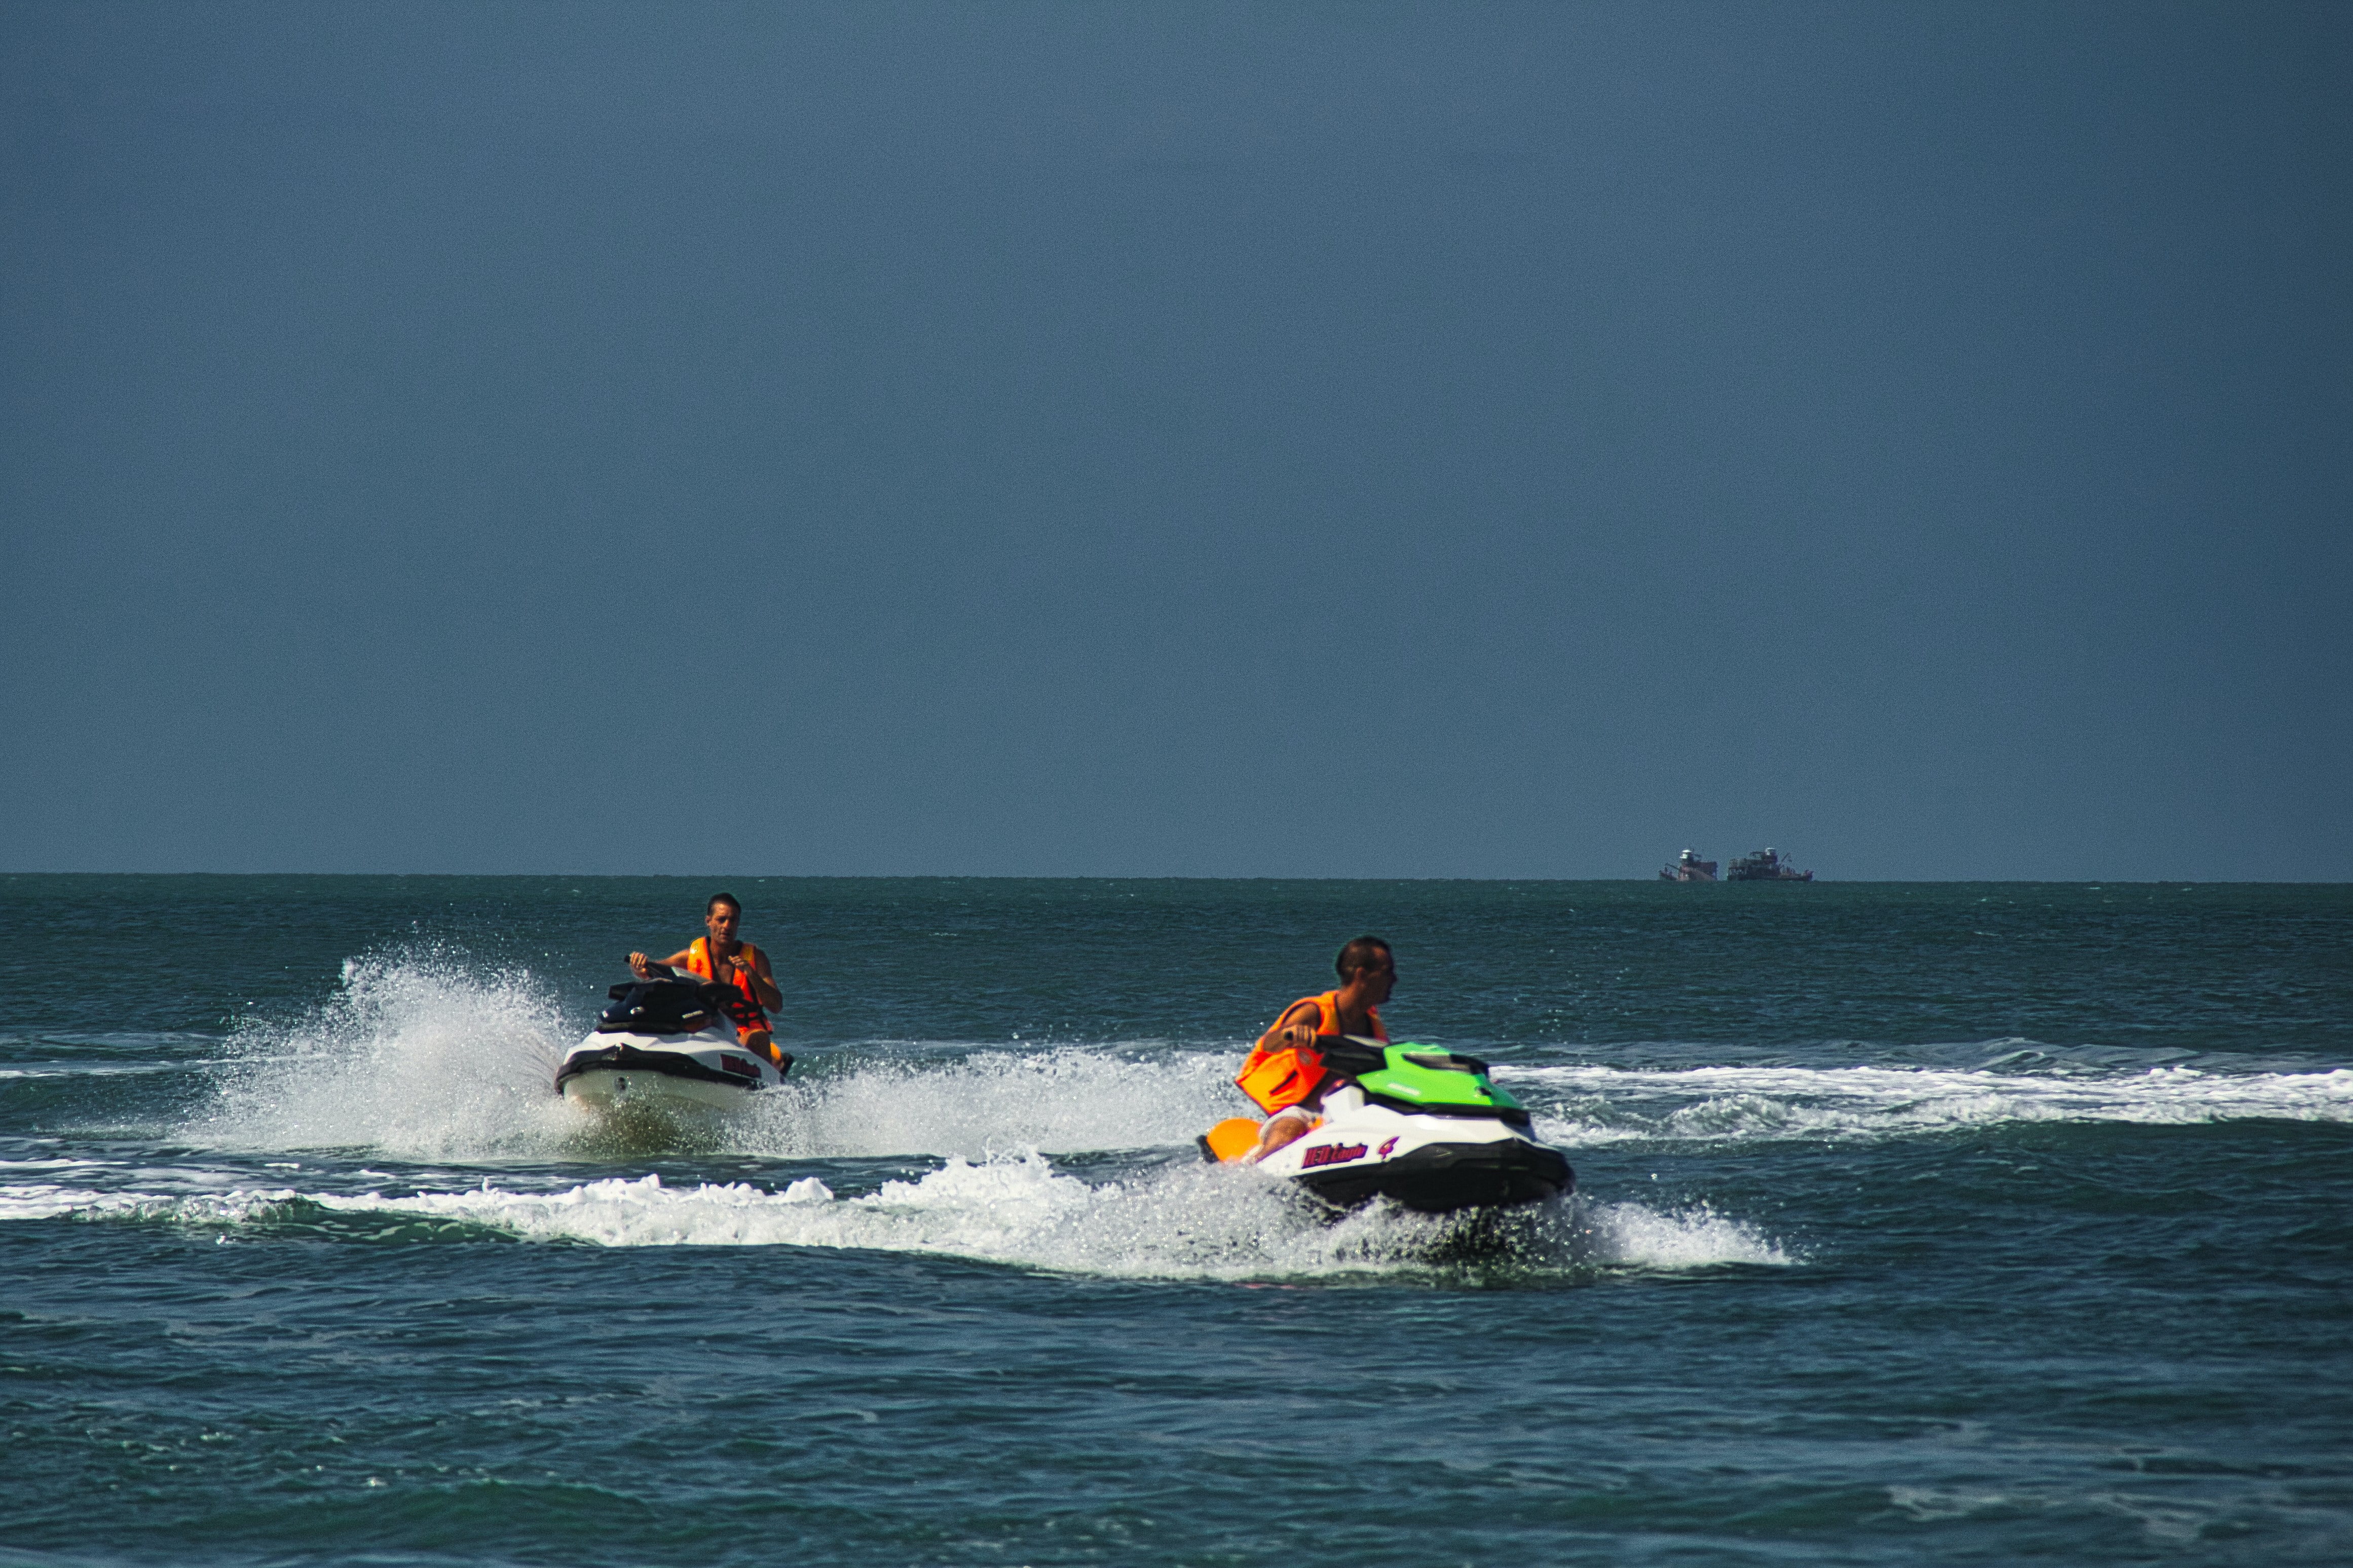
(764, 984)
(1295, 1027)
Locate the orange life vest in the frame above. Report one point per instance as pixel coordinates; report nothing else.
(743, 1006)
(1287, 1075)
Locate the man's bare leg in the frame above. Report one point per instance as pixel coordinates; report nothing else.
(1283, 1127)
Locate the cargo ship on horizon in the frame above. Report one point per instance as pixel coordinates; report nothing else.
(1688, 867)
(1765, 865)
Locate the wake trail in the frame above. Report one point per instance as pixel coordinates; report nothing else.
(1180, 1223)
(1595, 1106)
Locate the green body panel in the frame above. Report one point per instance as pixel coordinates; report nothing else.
(1430, 1082)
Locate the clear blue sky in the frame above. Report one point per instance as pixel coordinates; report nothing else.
(1312, 439)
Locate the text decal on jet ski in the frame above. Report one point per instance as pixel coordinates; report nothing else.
(738, 1065)
(1332, 1154)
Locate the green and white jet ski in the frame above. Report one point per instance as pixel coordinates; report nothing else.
(1423, 1128)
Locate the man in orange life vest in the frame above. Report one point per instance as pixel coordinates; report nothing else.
(1367, 971)
(738, 965)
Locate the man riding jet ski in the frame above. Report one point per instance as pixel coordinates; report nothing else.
(1284, 1072)
(666, 1038)
(740, 969)
(1352, 1117)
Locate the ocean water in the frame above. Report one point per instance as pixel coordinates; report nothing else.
(1917, 1224)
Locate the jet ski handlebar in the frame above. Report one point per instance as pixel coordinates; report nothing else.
(1350, 1055)
(664, 976)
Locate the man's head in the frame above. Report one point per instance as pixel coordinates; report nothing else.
(1367, 965)
(722, 915)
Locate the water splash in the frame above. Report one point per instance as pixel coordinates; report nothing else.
(1064, 1099)
(417, 1053)
(422, 1054)
(1181, 1222)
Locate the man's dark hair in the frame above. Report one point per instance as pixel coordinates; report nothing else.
(715, 900)
(1359, 954)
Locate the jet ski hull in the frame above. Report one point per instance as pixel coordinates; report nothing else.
(705, 1073)
(1431, 1163)
(1440, 1178)
(1426, 1129)
(665, 1045)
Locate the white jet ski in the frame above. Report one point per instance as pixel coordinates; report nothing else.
(666, 1046)
(1420, 1126)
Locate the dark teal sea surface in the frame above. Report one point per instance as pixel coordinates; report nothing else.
(1917, 1224)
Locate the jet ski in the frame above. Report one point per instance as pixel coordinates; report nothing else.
(1423, 1128)
(662, 1046)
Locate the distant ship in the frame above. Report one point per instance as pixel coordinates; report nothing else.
(1689, 868)
(1765, 865)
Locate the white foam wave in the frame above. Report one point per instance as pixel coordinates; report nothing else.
(77, 1070)
(1192, 1222)
(1694, 1237)
(48, 1201)
(1590, 1106)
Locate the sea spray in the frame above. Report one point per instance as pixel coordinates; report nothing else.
(424, 1053)
(975, 1103)
(420, 1052)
